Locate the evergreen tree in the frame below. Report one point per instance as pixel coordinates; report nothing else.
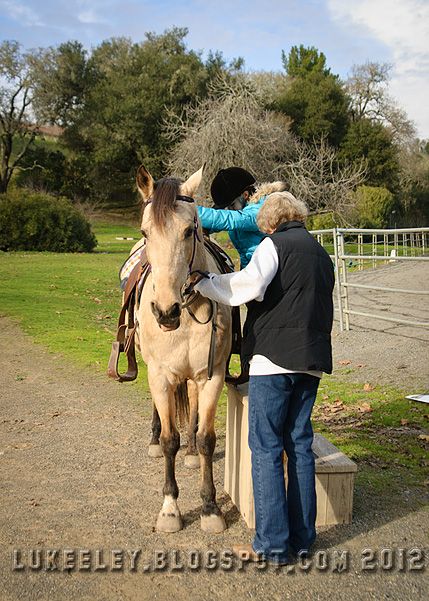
(314, 98)
(372, 142)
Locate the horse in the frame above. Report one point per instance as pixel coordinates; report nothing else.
(176, 329)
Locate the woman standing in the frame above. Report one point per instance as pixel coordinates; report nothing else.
(287, 344)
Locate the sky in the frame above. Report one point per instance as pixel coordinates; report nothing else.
(347, 31)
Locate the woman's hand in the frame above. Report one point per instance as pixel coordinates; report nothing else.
(197, 276)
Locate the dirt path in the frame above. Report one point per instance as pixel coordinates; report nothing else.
(75, 475)
(389, 353)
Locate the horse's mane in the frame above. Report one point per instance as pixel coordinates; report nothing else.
(164, 199)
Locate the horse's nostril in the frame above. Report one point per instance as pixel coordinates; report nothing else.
(174, 311)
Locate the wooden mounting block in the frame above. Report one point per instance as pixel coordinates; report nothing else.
(334, 471)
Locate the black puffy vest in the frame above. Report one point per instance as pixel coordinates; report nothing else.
(292, 325)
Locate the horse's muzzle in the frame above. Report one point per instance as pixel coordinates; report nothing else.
(167, 320)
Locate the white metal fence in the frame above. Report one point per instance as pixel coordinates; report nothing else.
(358, 249)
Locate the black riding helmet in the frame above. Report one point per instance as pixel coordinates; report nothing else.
(229, 184)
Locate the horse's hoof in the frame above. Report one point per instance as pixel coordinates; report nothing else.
(168, 522)
(213, 524)
(192, 461)
(155, 450)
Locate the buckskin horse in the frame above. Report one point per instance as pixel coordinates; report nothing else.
(177, 331)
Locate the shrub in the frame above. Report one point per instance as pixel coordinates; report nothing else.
(373, 206)
(36, 221)
(322, 221)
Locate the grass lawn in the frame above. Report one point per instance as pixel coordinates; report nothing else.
(70, 303)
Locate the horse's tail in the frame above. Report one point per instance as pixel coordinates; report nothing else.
(182, 403)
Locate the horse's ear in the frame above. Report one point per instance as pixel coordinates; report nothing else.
(144, 182)
(192, 183)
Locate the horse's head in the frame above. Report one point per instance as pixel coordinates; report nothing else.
(169, 224)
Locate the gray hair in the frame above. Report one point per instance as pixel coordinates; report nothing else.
(278, 208)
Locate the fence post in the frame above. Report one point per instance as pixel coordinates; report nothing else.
(337, 279)
(360, 251)
(344, 280)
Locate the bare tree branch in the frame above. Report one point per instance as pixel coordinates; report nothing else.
(367, 87)
(16, 96)
(231, 128)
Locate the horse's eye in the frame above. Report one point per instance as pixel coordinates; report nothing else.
(143, 233)
(188, 232)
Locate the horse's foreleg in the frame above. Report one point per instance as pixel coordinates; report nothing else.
(169, 519)
(211, 517)
(154, 446)
(192, 459)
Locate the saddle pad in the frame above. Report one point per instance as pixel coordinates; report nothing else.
(128, 266)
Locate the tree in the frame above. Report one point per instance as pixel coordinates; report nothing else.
(314, 99)
(62, 77)
(44, 168)
(302, 61)
(268, 86)
(232, 127)
(414, 184)
(137, 84)
(114, 109)
(316, 176)
(373, 207)
(16, 96)
(372, 142)
(367, 87)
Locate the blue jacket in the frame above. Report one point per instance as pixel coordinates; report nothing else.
(240, 225)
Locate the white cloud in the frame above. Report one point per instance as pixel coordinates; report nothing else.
(402, 26)
(89, 17)
(92, 12)
(21, 12)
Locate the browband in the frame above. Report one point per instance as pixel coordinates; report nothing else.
(184, 198)
(178, 197)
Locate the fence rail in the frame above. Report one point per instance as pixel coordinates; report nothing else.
(405, 244)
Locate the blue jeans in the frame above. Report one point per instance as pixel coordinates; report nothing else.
(280, 408)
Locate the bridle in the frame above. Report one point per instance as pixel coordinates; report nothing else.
(187, 288)
(189, 295)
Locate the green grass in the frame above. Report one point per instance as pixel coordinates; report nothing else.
(379, 429)
(70, 303)
(107, 234)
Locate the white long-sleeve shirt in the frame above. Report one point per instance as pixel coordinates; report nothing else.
(243, 286)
